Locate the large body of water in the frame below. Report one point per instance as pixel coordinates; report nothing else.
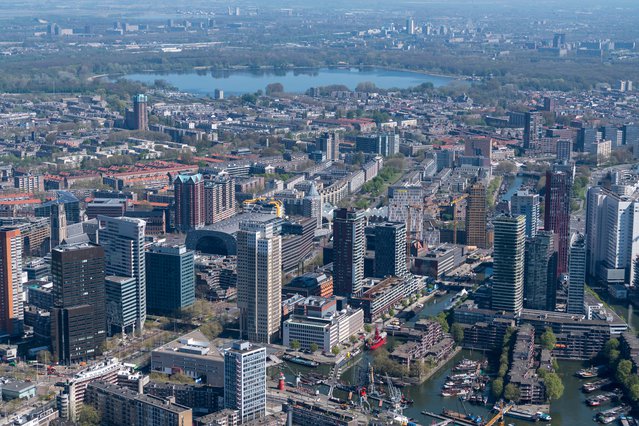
(294, 81)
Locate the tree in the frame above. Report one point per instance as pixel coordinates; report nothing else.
(633, 387)
(295, 345)
(548, 339)
(624, 370)
(511, 392)
(89, 416)
(44, 357)
(498, 387)
(368, 328)
(353, 339)
(506, 167)
(335, 350)
(274, 88)
(211, 329)
(458, 332)
(611, 352)
(181, 378)
(443, 321)
(314, 347)
(366, 86)
(554, 386)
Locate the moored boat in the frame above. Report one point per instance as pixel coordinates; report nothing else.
(377, 341)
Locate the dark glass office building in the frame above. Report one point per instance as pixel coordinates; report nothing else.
(78, 318)
(170, 279)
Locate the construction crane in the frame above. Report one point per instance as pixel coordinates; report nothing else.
(499, 417)
(279, 207)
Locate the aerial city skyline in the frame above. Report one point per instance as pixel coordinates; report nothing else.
(355, 213)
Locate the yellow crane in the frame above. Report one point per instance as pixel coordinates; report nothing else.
(499, 417)
(279, 207)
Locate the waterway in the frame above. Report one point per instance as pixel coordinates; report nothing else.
(570, 409)
(294, 81)
(514, 187)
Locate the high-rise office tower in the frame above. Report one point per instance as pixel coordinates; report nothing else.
(390, 250)
(348, 251)
(476, 216)
(526, 203)
(11, 308)
(219, 199)
(630, 137)
(78, 318)
(557, 214)
(121, 303)
(532, 129)
(259, 280)
(586, 137)
(612, 227)
(564, 150)
(312, 204)
(189, 202)
(140, 113)
(170, 279)
(123, 242)
(328, 143)
(558, 40)
(58, 224)
(71, 207)
(245, 380)
(540, 272)
(576, 275)
(406, 204)
(596, 235)
(549, 103)
(410, 26)
(508, 263)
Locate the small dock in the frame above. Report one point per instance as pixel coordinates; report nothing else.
(448, 420)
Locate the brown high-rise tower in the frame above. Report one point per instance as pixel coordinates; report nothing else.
(476, 216)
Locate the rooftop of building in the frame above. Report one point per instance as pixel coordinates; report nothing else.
(151, 400)
(308, 280)
(75, 247)
(195, 344)
(18, 386)
(232, 224)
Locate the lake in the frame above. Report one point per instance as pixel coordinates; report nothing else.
(294, 81)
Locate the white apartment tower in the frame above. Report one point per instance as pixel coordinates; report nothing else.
(612, 235)
(259, 280)
(123, 242)
(245, 380)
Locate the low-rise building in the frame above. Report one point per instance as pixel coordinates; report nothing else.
(192, 354)
(310, 284)
(325, 331)
(120, 406)
(380, 295)
(522, 372)
(18, 390)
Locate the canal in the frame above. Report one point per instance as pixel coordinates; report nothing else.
(514, 187)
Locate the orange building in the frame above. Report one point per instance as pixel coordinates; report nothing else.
(11, 309)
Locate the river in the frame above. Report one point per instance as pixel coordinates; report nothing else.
(294, 81)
